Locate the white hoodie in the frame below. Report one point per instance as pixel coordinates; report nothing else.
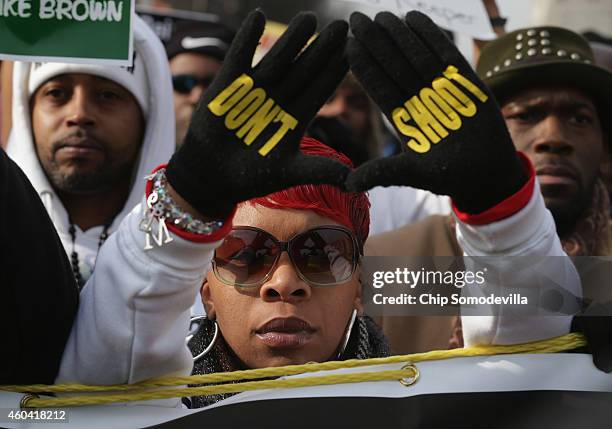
(134, 312)
(156, 149)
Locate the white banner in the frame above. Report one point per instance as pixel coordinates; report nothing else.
(461, 16)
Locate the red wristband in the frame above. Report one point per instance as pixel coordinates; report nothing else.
(511, 205)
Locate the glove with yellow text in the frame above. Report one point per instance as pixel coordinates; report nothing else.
(243, 140)
(454, 139)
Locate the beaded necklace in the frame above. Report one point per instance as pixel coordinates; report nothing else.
(74, 256)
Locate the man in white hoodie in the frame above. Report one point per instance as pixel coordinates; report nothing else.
(86, 135)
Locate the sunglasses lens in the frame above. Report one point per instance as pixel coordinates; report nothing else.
(184, 84)
(324, 256)
(245, 257)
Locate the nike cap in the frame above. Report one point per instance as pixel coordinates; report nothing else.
(206, 38)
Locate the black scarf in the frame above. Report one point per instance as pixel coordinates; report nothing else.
(366, 341)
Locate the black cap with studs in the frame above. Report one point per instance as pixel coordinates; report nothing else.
(543, 56)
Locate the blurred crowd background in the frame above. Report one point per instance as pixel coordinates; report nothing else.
(591, 18)
(577, 15)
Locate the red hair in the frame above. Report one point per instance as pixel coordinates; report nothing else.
(349, 209)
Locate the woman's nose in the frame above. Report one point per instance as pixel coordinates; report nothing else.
(285, 284)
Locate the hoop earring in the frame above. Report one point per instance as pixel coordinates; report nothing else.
(212, 343)
(347, 334)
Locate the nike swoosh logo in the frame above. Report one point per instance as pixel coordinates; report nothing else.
(198, 42)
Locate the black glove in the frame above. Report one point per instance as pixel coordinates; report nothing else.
(455, 140)
(243, 140)
(596, 325)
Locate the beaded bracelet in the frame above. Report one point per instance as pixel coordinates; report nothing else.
(162, 207)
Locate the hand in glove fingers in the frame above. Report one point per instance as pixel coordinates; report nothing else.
(243, 140)
(454, 139)
(596, 325)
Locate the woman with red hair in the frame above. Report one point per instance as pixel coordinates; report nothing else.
(284, 286)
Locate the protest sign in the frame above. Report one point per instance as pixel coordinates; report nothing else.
(81, 31)
(465, 16)
(164, 22)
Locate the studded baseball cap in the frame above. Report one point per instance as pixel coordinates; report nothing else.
(543, 56)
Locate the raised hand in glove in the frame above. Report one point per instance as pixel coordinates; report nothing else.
(454, 139)
(243, 139)
(596, 325)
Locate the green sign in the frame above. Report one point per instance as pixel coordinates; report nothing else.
(89, 31)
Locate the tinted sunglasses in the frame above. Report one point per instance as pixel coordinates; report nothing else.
(184, 83)
(322, 256)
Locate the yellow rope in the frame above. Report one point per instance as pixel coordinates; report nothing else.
(134, 392)
(393, 375)
(553, 345)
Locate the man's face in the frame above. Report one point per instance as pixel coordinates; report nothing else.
(351, 106)
(559, 130)
(186, 68)
(87, 130)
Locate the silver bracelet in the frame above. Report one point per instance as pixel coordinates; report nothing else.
(162, 208)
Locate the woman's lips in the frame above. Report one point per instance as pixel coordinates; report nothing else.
(285, 333)
(285, 340)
